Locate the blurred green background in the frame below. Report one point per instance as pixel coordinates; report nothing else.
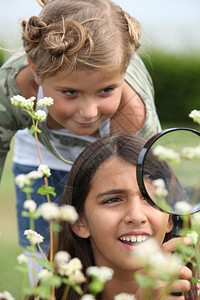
(177, 90)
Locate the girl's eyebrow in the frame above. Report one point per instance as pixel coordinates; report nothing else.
(111, 85)
(109, 193)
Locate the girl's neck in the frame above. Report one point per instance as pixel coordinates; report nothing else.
(119, 284)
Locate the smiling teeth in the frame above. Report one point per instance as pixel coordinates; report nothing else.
(133, 238)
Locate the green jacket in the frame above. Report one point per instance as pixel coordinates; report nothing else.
(13, 118)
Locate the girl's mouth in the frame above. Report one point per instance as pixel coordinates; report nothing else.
(133, 239)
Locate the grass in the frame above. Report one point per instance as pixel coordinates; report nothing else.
(10, 278)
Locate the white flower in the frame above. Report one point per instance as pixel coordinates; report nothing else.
(166, 154)
(87, 297)
(74, 265)
(22, 180)
(61, 257)
(66, 267)
(170, 264)
(182, 208)
(102, 273)
(18, 100)
(78, 277)
(68, 213)
(22, 258)
(5, 295)
(143, 254)
(191, 152)
(46, 101)
(195, 115)
(49, 211)
(29, 103)
(33, 237)
(40, 115)
(44, 169)
(35, 174)
(44, 274)
(30, 205)
(160, 190)
(193, 236)
(124, 296)
(23, 102)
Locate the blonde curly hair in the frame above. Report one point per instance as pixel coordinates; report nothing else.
(81, 34)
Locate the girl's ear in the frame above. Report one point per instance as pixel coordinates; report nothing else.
(170, 224)
(32, 66)
(80, 228)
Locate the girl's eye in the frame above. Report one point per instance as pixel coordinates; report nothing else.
(112, 200)
(106, 91)
(70, 93)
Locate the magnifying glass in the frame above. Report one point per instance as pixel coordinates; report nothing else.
(168, 173)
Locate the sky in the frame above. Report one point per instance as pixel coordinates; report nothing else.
(172, 25)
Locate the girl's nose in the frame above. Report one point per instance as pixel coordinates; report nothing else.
(88, 110)
(135, 212)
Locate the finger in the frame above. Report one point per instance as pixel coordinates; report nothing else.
(185, 273)
(180, 286)
(171, 245)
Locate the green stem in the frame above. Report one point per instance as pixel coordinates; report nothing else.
(48, 199)
(64, 296)
(41, 251)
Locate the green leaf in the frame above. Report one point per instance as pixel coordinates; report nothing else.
(45, 190)
(30, 291)
(45, 263)
(145, 281)
(22, 268)
(25, 214)
(195, 280)
(31, 130)
(77, 289)
(44, 291)
(27, 190)
(96, 286)
(31, 248)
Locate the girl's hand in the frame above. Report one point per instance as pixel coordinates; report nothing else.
(181, 285)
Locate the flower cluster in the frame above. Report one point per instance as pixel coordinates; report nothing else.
(51, 211)
(195, 115)
(33, 237)
(23, 180)
(28, 106)
(71, 268)
(182, 207)
(191, 152)
(5, 295)
(23, 102)
(22, 259)
(166, 154)
(102, 273)
(151, 258)
(160, 190)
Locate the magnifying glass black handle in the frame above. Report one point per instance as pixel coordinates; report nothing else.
(178, 223)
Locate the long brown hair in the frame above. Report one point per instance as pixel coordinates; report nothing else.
(77, 187)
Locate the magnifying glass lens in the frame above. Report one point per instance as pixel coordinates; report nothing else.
(168, 171)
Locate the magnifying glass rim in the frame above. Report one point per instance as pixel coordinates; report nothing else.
(141, 159)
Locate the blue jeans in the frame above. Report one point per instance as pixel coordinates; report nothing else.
(56, 180)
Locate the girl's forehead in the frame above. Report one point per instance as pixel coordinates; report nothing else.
(112, 166)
